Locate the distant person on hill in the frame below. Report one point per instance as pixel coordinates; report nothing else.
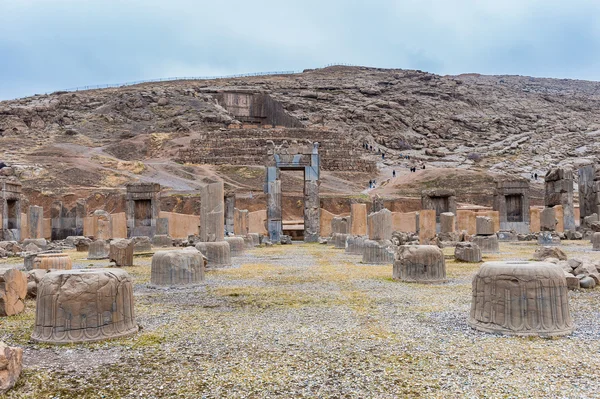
(382, 155)
(535, 176)
(2, 165)
(393, 173)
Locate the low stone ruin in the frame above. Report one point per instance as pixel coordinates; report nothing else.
(355, 245)
(520, 298)
(11, 363)
(236, 245)
(339, 240)
(543, 253)
(162, 241)
(378, 253)
(98, 249)
(486, 239)
(467, 252)
(580, 273)
(121, 252)
(33, 279)
(54, 261)
(13, 291)
(419, 264)
(218, 254)
(84, 306)
(177, 268)
(255, 238)
(141, 244)
(448, 227)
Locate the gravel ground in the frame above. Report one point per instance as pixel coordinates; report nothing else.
(310, 321)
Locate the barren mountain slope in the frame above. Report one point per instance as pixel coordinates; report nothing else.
(104, 138)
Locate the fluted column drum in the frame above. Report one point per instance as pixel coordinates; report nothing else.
(236, 245)
(84, 306)
(355, 245)
(53, 261)
(218, 253)
(375, 253)
(419, 264)
(339, 240)
(521, 298)
(177, 268)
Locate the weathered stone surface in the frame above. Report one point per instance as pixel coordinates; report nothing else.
(419, 264)
(487, 244)
(218, 254)
(484, 226)
(177, 268)
(341, 225)
(520, 298)
(548, 220)
(241, 222)
(549, 252)
(162, 241)
(141, 244)
(236, 245)
(13, 290)
(466, 221)
(98, 249)
(427, 226)
(41, 243)
(339, 240)
(548, 238)
(587, 282)
(467, 252)
(255, 239)
(377, 253)
(212, 213)
(447, 222)
(559, 192)
(355, 245)
(358, 218)
(572, 281)
(83, 306)
(380, 225)
(121, 252)
(58, 261)
(33, 279)
(596, 241)
(11, 363)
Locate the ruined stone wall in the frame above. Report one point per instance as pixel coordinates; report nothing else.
(249, 147)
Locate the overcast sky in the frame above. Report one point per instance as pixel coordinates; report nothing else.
(48, 45)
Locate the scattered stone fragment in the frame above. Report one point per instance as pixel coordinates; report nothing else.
(11, 363)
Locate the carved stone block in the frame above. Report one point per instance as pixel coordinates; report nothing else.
(467, 252)
(84, 306)
(121, 252)
(13, 290)
(177, 268)
(11, 363)
(376, 253)
(59, 261)
(520, 298)
(355, 245)
(487, 244)
(218, 254)
(236, 245)
(419, 264)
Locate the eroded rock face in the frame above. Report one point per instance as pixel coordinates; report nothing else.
(13, 290)
(467, 252)
(11, 363)
(178, 268)
(218, 254)
(420, 264)
(84, 306)
(121, 252)
(58, 261)
(520, 298)
(236, 245)
(549, 252)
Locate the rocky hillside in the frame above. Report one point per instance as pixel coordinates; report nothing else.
(494, 124)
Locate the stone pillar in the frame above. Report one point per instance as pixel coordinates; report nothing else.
(312, 202)
(103, 225)
(380, 225)
(35, 221)
(274, 213)
(121, 252)
(56, 214)
(212, 213)
(358, 219)
(587, 202)
(230, 213)
(447, 222)
(80, 214)
(559, 191)
(377, 204)
(427, 225)
(241, 221)
(341, 225)
(548, 219)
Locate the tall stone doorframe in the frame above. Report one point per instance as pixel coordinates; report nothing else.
(559, 191)
(293, 157)
(439, 200)
(511, 200)
(10, 210)
(142, 209)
